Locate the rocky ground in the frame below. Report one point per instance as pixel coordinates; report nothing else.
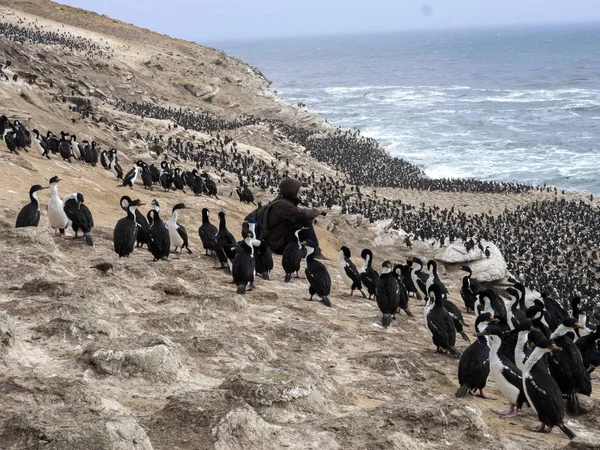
(166, 355)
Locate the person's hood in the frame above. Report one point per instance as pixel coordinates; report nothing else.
(289, 188)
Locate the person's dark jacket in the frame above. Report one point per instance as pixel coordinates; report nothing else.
(285, 211)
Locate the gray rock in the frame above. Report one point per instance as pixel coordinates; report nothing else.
(150, 356)
(7, 331)
(484, 269)
(243, 429)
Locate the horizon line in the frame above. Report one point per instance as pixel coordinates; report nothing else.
(394, 31)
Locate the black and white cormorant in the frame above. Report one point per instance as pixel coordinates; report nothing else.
(505, 374)
(79, 215)
(178, 233)
(433, 278)
(244, 264)
(387, 293)
(208, 233)
(368, 275)
(418, 278)
(554, 313)
(514, 313)
(440, 324)
(56, 213)
(292, 256)
(130, 178)
(474, 364)
(317, 276)
(159, 239)
(29, 216)
(542, 391)
(588, 347)
(567, 367)
(349, 272)
(536, 314)
(126, 228)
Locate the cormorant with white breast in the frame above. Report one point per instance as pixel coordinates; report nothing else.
(29, 216)
(349, 272)
(433, 278)
(418, 278)
(504, 373)
(244, 264)
(56, 213)
(131, 177)
(159, 238)
(543, 394)
(208, 233)
(474, 364)
(567, 367)
(178, 233)
(292, 256)
(368, 275)
(79, 215)
(387, 294)
(319, 281)
(126, 229)
(440, 324)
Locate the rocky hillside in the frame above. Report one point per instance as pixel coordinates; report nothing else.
(165, 355)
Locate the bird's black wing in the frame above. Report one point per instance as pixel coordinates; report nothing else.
(88, 214)
(319, 279)
(183, 233)
(76, 215)
(512, 373)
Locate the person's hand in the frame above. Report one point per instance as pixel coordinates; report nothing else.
(320, 210)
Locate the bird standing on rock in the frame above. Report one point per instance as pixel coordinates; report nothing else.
(159, 238)
(80, 216)
(208, 233)
(543, 394)
(292, 256)
(178, 233)
(349, 272)
(126, 230)
(440, 324)
(505, 374)
(387, 293)
(319, 281)
(244, 264)
(474, 364)
(103, 267)
(368, 275)
(29, 216)
(56, 213)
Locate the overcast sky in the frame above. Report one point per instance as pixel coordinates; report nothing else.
(206, 21)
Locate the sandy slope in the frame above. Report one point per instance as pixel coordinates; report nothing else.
(165, 355)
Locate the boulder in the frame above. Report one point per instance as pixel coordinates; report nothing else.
(72, 429)
(149, 356)
(243, 428)
(7, 331)
(484, 269)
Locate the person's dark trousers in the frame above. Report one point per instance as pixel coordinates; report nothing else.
(304, 234)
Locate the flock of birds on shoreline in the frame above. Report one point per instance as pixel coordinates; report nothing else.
(513, 334)
(527, 346)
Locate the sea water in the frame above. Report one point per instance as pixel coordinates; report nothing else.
(514, 103)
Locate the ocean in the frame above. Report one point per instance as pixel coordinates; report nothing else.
(515, 103)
